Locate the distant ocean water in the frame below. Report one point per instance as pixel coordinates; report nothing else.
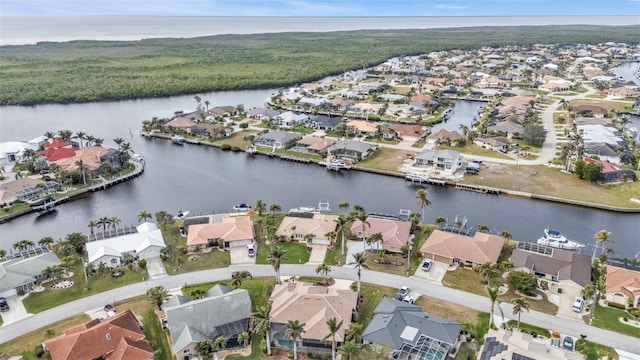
(19, 30)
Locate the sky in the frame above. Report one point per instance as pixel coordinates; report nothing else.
(322, 7)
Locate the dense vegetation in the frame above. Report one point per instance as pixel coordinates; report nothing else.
(82, 71)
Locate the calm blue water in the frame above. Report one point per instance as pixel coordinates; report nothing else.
(17, 30)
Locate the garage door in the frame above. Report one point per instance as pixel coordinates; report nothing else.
(7, 293)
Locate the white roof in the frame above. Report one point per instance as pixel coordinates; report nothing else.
(118, 245)
(13, 147)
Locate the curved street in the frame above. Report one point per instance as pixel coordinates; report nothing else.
(431, 289)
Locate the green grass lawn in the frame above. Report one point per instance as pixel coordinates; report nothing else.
(372, 295)
(258, 288)
(297, 253)
(157, 338)
(40, 301)
(465, 279)
(190, 262)
(528, 328)
(607, 318)
(334, 256)
(595, 351)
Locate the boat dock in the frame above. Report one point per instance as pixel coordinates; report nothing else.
(478, 188)
(337, 166)
(295, 159)
(424, 179)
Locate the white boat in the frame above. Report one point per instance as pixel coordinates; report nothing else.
(177, 139)
(242, 207)
(181, 215)
(304, 210)
(553, 238)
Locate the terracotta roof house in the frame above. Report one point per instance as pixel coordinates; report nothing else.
(90, 157)
(119, 337)
(408, 132)
(442, 136)
(564, 267)
(409, 332)
(54, 154)
(180, 123)
(447, 161)
(623, 286)
(56, 144)
(312, 306)
(453, 248)
(21, 273)
(230, 229)
(221, 312)
(351, 150)
(316, 145)
(363, 127)
(625, 92)
(296, 228)
(395, 233)
(112, 246)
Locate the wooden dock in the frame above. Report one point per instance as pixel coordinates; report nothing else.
(295, 159)
(478, 188)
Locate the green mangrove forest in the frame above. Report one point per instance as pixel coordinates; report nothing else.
(84, 71)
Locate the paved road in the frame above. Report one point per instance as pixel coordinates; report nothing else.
(421, 286)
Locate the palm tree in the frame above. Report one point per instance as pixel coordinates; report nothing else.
(104, 222)
(506, 235)
(423, 201)
(261, 323)
(490, 271)
(519, 304)
(3, 254)
(334, 326)
(331, 236)
(80, 136)
(91, 140)
(65, 135)
(344, 206)
(588, 291)
(219, 344)
(348, 349)
(275, 208)
(46, 241)
(601, 237)
(323, 269)
(118, 141)
(158, 295)
(244, 338)
(83, 170)
(114, 221)
(293, 331)
(259, 206)
(203, 348)
(238, 276)
(482, 228)
(343, 221)
(275, 257)
(362, 217)
(493, 296)
(143, 216)
(359, 259)
(353, 332)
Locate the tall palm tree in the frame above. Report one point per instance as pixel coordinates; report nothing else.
(353, 332)
(218, 344)
(91, 140)
(490, 271)
(588, 291)
(261, 324)
(359, 260)
(158, 295)
(374, 239)
(114, 221)
(259, 206)
(331, 236)
(343, 222)
(203, 348)
(275, 208)
(482, 228)
(104, 222)
(144, 215)
(506, 235)
(238, 276)
(348, 349)
(601, 237)
(519, 304)
(275, 257)
(46, 241)
(493, 296)
(293, 331)
(83, 170)
(244, 338)
(362, 217)
(344, 206)
(80, 136)
(323, 269)
(334, 326)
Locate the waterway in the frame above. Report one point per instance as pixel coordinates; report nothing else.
(205, 180)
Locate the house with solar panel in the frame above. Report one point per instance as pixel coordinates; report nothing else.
(410, 332)
(222, 311)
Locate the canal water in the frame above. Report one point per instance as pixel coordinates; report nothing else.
(204, 180)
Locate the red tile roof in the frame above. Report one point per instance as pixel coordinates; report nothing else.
(117, 337)
(56, 144)
(54, 154)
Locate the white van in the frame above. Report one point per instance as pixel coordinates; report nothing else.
(578, 304)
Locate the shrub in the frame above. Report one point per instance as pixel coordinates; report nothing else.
(130, 266)
(235, 148)
(20, 292)
(142, 263)
(616, 305)
(523, 282)
(225, 147)
(243, 125)
(559, 290)
(38, 350)
(634, 312)
(625, 319)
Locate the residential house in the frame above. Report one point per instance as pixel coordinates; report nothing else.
(114, 247)
(624, 92)
(262, 113)
(226, 230)
(351, 150)
(181, 123)
(448, 247)
(408, 132)
(296, 228)
(491, 82)
(514, 344)
(315, 145)
(340, 104)
(90, 157)
(11, 153)
(118, 337)
(313, 102)
(395, 233)
(509, 128)
(442, 136)
(57, 149)
(566, 268)
(25, 189)
(277, 139)
(603, 142)
(221, 312)
(324, 122)
(591, 110)
(364, 128)
(20, 273)
(366, 108)
(495, 143)
(223, 111)
(555, 87)
(409, 332)
(215, 131)
(313, 306)
(447, 161)
(623, 286)
(289, 119)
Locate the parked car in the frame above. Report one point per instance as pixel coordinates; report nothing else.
(578, 304)
(426, 265)
(4, 306)
(409, 299)
(568, 343)
(251, 250)
(110, 310)
(404, 291)
(555, 338)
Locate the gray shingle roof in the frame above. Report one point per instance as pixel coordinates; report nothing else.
(19, 271)
(566, 265)
(351, 145)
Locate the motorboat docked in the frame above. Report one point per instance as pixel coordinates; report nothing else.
(553, 238)
(44, 205)
(177, 139)
(181, 215)
(242, 207)
(304, 210)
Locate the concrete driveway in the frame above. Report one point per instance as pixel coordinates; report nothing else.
(436, 272)
(16, 311)
(565, 302)
(155, 268)
(240, 256)
(318, 254)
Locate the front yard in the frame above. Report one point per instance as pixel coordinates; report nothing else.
(297, 253)
(179, 262)
(609, 318)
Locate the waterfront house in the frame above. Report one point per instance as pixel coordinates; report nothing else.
(409, 332)
(289, 119)
(225, 230)
(90, 157)
(182, 123)
(566, 268)
(277, 139)
(11, 153)
(215, 131)
(262, 113)
(22, 271)
(222, 311)
(624, 92)
(114, 247)
(364, 128)
(408, 132)
(395, 233)
(495, 143)
(223, 111)
(623, 286)
(351, 150)
(324, 122)
(118, 337)
(447, 161)
(443, 136)
(314, 144)
(296, 228)
(25, 189)
(508, 128)
(313, 306)
(452, 248)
